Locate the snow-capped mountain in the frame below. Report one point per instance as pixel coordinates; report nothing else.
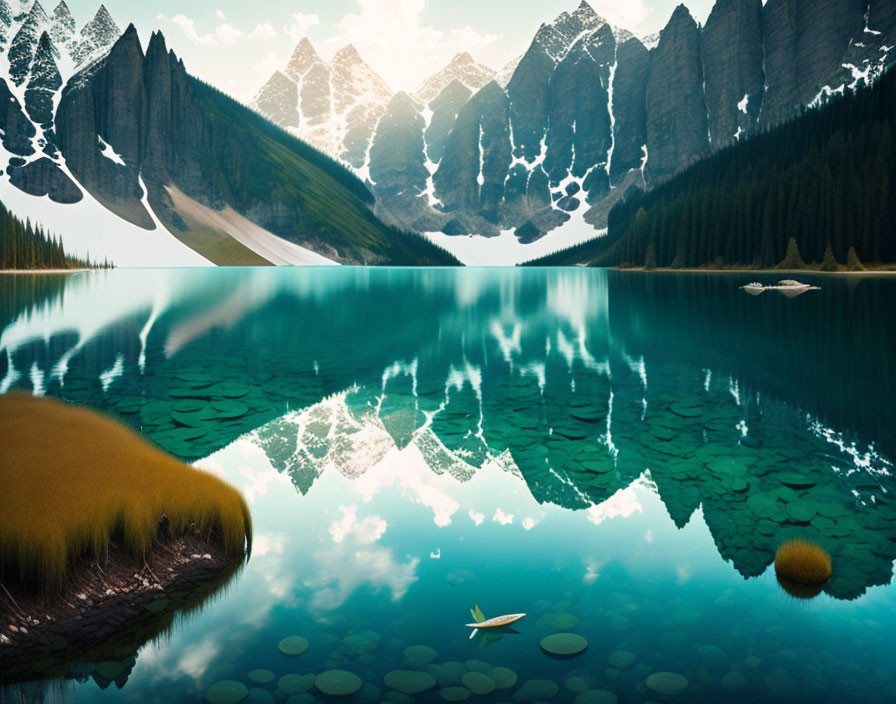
(335, 106)
(462, 68)
(126, 157)
(560, 134)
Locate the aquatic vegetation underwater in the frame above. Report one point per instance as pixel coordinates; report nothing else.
(804, 563)
(74, 480)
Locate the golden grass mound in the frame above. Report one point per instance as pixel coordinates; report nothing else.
(802, 562)
(71, 480)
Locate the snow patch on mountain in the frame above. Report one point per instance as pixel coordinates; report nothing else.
(335, 106)
(507, 250)
(89, 230)
(462, 68)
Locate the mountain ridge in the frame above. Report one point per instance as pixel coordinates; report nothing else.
(653, 108)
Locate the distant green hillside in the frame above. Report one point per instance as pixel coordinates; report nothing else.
(824, 180)
(23, 246)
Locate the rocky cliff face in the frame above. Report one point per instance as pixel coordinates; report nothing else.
(677, 127)
(41, 55)
(732, 54)
(629, 108)
(151, 143)
(590, 110)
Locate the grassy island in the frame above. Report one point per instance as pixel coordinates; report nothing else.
(75, 483)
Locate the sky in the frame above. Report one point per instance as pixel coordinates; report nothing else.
(236, 45)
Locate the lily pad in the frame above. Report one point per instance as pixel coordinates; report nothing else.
(562, 621)
(536, 691)
(294, 645)
(230, 410)
(564, 645)
(420, 655)
(293, 683)
(226, 692)
(621, 659)
(504, 677)
(454, 694)
(338, 683)
(260, 676)
(801, 511)
(666, 683)
(409, 682)
(475, 665)
(478, 683)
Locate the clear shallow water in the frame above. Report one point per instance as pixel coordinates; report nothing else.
(617, 454)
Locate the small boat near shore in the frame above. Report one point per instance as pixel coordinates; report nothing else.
(787, 287)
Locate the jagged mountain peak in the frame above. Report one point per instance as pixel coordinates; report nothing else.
(38, 12)
(25, 41)
(347, 55)
(463, 68)
(156, 43)
(64, 24)
(585, 14)
(682, 14)
(303, 57)
(558, 36)
(95, 37)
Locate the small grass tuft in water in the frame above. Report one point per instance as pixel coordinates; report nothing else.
(72, 480)
(802, 562)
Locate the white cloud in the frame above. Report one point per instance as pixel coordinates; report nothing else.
(504, 519)
(301, 24)
(477, 517)
(340, 572)
(188, 27)
(272, 62)
(529, 523)
(225, 34)
(228, 35)
(363, 532)
(592, 571)
(628, 14)
(391, 36)
(263, 31)
(268, 544)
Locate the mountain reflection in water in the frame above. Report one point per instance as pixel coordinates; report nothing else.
(769, 413)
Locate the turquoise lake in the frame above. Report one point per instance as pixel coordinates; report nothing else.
(616, 454)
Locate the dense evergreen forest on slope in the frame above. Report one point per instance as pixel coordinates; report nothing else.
(285, 169)
(23, 246)
(817, 189)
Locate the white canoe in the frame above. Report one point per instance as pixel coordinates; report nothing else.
(497, 621)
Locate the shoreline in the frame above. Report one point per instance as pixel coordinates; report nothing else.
(16, 272)
(761, 272)
(119, 605)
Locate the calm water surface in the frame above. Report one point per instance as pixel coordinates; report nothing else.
(616, 454)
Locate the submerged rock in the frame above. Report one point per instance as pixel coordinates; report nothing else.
(226, 692)
(294, 645)
(410, 682)
(564, 645)
(666, 683)
(338, 683)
